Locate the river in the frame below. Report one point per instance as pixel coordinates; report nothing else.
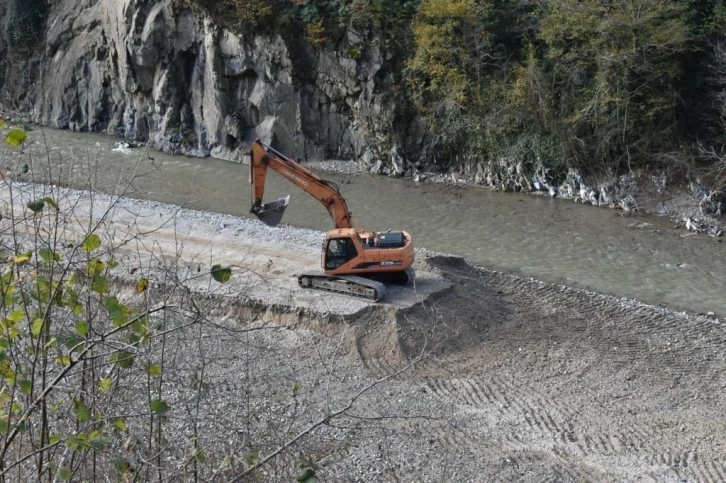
(641, 257)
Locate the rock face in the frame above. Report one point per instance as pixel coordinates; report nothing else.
(162, 72)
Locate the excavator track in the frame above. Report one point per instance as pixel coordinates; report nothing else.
(344, 284)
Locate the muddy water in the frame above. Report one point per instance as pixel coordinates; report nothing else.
(642, 257)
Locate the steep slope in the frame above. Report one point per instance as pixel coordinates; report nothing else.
(163, 72)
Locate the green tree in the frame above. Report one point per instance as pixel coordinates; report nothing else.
(444, 72)
(615, 68)
(441, 67)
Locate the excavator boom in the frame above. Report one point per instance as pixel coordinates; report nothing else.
(327, 192)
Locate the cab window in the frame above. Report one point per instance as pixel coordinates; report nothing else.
(339, 252)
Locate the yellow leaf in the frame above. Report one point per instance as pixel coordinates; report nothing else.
(105, 384)
(142, 285)
(21, 259)
(16, 137)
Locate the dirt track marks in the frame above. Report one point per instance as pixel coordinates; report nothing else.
(578, 386)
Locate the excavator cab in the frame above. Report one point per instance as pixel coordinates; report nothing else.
(338, 252)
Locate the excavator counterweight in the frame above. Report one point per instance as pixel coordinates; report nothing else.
(355, 262)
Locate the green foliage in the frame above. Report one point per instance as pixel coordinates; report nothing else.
(252, 457)
(83, 414)
(119, 313)
(308, 470)
(353, 52)
(50, 201)
(124, 359)
(91, 243)
(316, 33)
(220, 274)
(241, 15)
(307, 475)
(36, 206)
(455, 78)
(142, 285)
(105, 384)
(25, 23)
(320, 20)
(159, 407)
(16, 137)
(64, 474)
(55, 323)
(614, 69)
(600, 84)
(48, 255)
(439, 70)
(153, 370)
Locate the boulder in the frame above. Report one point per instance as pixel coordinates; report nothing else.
(570, 187)
(713, 203)
(397, 162)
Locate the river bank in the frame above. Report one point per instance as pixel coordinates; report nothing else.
(637, 255)
(689, 204)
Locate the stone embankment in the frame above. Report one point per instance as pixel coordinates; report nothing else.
(695, 208)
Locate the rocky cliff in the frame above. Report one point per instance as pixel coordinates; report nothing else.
(163, 72)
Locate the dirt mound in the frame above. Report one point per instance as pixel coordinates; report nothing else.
(572, 385)
(442, 324)
(532, 381)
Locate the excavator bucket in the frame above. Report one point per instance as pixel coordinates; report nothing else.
(271, 213)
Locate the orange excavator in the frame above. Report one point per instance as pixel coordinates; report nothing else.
(355, 262)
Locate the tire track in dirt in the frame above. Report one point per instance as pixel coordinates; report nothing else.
(609, 386)
(541, 416)
(691, 467)
(503, 397)
(538, 409)
(715, 470)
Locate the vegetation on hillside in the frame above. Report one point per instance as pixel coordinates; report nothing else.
(605, 86)
(599, 85)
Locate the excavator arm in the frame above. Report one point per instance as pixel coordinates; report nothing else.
(327, 192)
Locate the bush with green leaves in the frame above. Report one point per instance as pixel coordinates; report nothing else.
(81, 338)
(614, 86)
